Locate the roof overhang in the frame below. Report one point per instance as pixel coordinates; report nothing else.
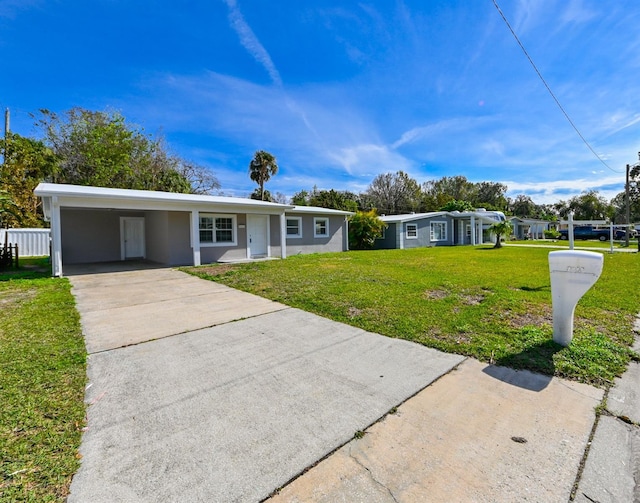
(75, 196)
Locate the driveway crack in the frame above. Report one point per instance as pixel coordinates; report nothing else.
(371, 476)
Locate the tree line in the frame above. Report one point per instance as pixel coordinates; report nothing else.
(84, 147)
(398, 193)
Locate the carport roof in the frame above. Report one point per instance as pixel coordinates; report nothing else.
(106, 194)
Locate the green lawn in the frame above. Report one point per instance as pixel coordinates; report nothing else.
(42, 379)
(494, 305)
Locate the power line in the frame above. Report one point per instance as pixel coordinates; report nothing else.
(550, 91)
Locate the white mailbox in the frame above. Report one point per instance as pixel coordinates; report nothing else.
(572, 274)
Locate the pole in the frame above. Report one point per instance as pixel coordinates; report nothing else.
(6, 136)
(628, 210)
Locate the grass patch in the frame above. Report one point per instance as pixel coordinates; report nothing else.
(494, 305)
(42, 379)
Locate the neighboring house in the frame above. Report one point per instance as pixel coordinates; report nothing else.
(439, 228)
(529, 228)
(96, 224)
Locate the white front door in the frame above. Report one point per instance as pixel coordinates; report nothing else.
(132, 237)
(257, 235)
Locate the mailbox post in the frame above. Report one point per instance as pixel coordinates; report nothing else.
(572, 274)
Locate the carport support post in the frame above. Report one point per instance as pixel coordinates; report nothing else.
(56, 238)
(283, 235)
(195, 236)
(473, 231)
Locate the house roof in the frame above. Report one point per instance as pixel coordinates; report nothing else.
(483, 215)
(531, 220)
(411, 216)
(105, 193)
(317, 211)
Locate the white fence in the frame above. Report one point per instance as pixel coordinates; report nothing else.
(31, 242)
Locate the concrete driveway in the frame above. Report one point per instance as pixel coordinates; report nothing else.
(198, 392)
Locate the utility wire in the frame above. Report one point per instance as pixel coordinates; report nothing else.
(550, 91)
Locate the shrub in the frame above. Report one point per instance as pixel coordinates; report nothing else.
(364, 228)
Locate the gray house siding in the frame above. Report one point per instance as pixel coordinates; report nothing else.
(309, 243)
(274, 236)
(397, 233)
(389, 241)
(180, 251)
(91, 235)
(156, 232)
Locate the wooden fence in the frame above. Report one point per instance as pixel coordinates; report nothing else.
(9, 257)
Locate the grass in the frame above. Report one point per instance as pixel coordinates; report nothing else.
(42, 379)
(494, 305)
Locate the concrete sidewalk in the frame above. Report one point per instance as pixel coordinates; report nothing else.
(202, 393)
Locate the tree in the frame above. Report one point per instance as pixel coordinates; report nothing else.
(437, 193)
(261, 168)
(300, 198)
(201, 179)
(587, 206)
(8, 209)
(265, 195)
(280, 198)
(27, 162)
(455, 205)
(333, 199)
(394, 193)
(102, 149)
(523, 206)
(500, 229)
(364, 228)
(490, 195)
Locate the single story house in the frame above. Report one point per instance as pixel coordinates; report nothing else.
(438, 228)
(529, 228)
(97, 224)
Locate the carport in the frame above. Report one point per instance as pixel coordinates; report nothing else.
(97, 224)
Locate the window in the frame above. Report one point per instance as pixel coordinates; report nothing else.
(412, 231)
(438, 231)
(294, 227)
(217, 229)
(320, 227)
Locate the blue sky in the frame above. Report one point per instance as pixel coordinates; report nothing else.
(342, 91)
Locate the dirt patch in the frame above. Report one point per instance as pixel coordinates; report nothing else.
(436, 294)
(354, 312)
(10, 298)
(216, 270)
(471, 299)
(530, 319)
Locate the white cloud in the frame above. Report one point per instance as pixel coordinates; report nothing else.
(545, 192)
(370, 160)
(251, 43)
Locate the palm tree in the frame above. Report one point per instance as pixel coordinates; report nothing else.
(262, 167)
(500, 229)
